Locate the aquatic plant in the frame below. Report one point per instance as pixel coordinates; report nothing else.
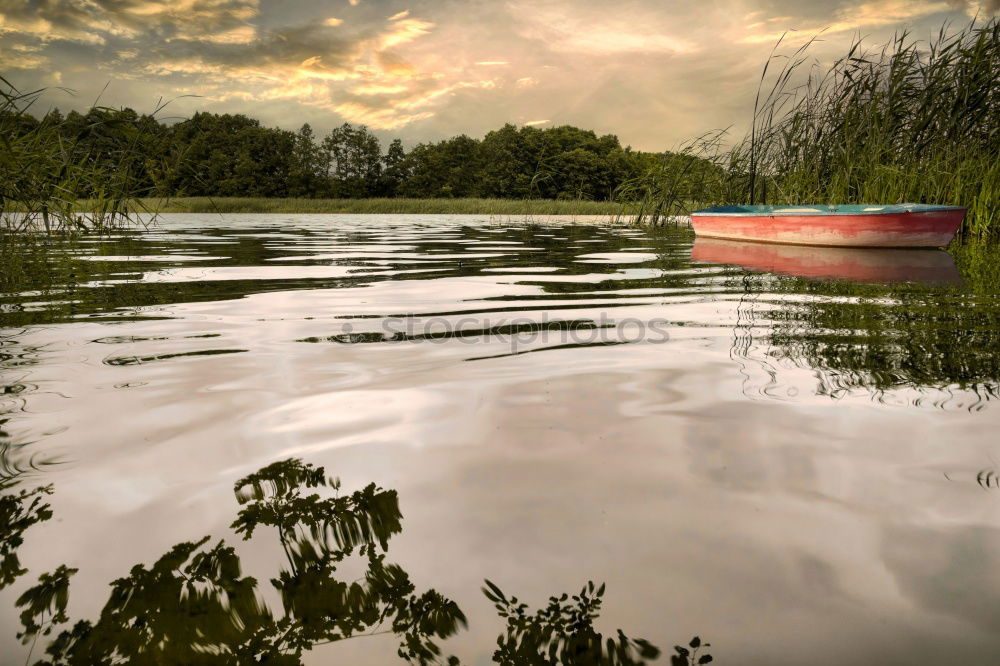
(676, 182)
(908, 121)
(48, 165)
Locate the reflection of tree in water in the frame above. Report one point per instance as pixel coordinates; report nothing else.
(19, 509)
(193, 605)
(938, 341)
(110, 275)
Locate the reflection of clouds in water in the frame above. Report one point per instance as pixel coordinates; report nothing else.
(948, 569)
(753, 520)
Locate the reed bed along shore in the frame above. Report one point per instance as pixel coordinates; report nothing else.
(908, 121)
(43, 172)
(384, 206)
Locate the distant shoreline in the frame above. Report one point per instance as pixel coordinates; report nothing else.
(384, 206)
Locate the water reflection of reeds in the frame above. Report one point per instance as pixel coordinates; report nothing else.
(910, 345)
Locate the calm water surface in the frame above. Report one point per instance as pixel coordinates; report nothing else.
(788, 452)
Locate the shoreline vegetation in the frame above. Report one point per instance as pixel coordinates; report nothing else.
(908, 121)
(386, 206)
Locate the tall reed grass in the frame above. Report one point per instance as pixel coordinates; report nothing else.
(908, 121)
(44, 171)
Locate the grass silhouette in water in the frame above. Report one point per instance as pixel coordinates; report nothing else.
(194, 606)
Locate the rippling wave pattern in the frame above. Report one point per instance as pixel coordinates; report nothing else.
(895, 326)
(564, 395)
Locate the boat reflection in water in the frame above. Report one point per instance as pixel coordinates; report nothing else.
(863, 331)
(841, 263)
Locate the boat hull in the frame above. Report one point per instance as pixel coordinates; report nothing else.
(933, 228)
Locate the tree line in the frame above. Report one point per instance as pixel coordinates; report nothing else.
(230, 155)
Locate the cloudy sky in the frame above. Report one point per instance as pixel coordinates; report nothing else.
(654, 72)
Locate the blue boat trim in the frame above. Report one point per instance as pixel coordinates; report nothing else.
(816, 209)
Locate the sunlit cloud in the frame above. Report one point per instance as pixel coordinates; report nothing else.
(379, 89)
(426, 98)
(533, 123)
(47, 31)
(404, 31)
(565, 27)
(864, 15)
(979, 9)
(429, 71)
(379, 118)
(96, 21)
(22, 56)
(394, 65)
(241, 35)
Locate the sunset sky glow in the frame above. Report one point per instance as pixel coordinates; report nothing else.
(652, 71)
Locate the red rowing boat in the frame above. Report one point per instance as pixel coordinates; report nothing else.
(897, 225)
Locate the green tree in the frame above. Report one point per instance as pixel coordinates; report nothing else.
(355, 158)
(450, 168)
(394, 169)
(508, 164)
(308, 171)
(231, 155)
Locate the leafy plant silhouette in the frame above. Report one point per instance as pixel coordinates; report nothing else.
(684, 656)
(563, 633)
(194, 606)
(18, 511)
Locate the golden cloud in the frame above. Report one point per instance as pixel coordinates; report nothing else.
(379, 89)
(393, 65)
(93, 21)
(241, 35)
(566, 27)
(404, 31)
(874, 13)
(22, 56)
(379, 118)
(44, 30)
(358, 74)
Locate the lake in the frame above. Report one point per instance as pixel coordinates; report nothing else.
(790, 453)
